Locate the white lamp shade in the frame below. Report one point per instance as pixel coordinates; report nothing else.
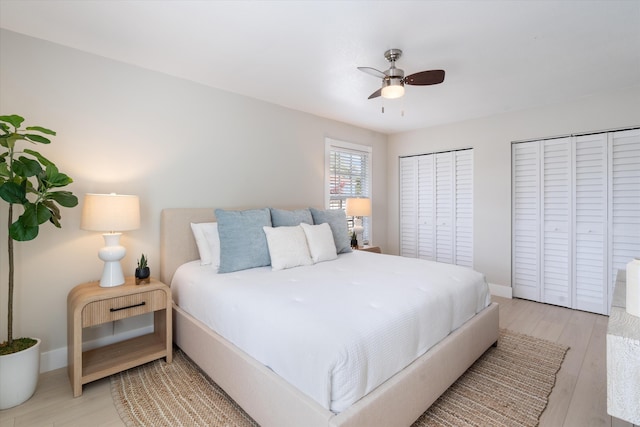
(110, 212)
(358, 207)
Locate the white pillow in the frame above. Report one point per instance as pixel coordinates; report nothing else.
(287, 247)
(208, 241)
(320, 240)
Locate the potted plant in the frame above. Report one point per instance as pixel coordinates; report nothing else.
(31, 181)
(142, 272)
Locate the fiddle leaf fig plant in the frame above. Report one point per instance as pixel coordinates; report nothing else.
(31, 181)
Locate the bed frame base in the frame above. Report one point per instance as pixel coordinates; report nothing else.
(273, 402)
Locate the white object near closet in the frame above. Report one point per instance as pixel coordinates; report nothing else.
(575, 217)
(436, 207)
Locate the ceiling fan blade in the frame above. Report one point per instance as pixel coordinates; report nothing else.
(423, 78)
(375, 94)
(373, 72)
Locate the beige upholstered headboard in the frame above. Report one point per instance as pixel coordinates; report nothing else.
(177, 244)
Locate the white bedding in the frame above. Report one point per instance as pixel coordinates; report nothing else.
(335, 330)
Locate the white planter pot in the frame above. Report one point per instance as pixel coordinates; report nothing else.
(19, 373)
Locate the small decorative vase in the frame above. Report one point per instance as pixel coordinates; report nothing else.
(142, 275)
(354, 243)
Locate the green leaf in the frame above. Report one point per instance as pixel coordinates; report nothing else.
(55, 178)
(12, 192)
(4, 169)
(19, 169)
(42, 159)
(34, 214)
(64, 198)
(28, 187)
(55, 221)
(13, 119)
(9, 141)
(4, 128)
(29, 167)
(37, 138)
(41, 129)
(22, 233)
(55, 211)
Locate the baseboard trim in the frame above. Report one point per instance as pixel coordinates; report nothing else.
(53, 359)
(501, 290)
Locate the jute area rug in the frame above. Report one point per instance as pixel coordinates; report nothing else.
(508, 386)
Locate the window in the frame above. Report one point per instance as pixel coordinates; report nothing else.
(347, 174)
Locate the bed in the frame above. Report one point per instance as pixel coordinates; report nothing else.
(273, 401)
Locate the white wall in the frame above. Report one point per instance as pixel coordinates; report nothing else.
(173, 142)
(491, 139)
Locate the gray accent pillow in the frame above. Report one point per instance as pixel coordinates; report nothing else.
(337, 220)
(283, 218)
(243, 243)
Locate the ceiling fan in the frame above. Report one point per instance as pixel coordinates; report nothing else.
(393, 79)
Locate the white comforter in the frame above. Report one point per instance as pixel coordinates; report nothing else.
(335, 330)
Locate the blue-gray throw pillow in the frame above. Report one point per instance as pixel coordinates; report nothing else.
(243, 243)
(337, 220)
(284, 218)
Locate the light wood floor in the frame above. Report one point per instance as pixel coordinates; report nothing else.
(578, 399)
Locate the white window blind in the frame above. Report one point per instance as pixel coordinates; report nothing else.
(348, 174)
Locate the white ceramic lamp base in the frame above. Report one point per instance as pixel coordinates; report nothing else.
(111, 254)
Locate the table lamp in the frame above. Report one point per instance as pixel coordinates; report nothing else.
(111, 213)
(357, 208)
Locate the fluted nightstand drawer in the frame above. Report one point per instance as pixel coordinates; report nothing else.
(123, 307)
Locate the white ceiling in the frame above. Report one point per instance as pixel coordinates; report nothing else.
(498, 55)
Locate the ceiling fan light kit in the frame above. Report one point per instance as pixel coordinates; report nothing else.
(393, 79)
(392, 88)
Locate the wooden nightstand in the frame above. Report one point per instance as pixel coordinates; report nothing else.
(89, 304)
(375, 249)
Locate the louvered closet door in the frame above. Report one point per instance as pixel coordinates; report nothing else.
(590, 265)
(426, 203)
(436, 207)
(624, 200)
(556, 222)
(444, 207)
(525, 198)
(464, 208)
(408, 206)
